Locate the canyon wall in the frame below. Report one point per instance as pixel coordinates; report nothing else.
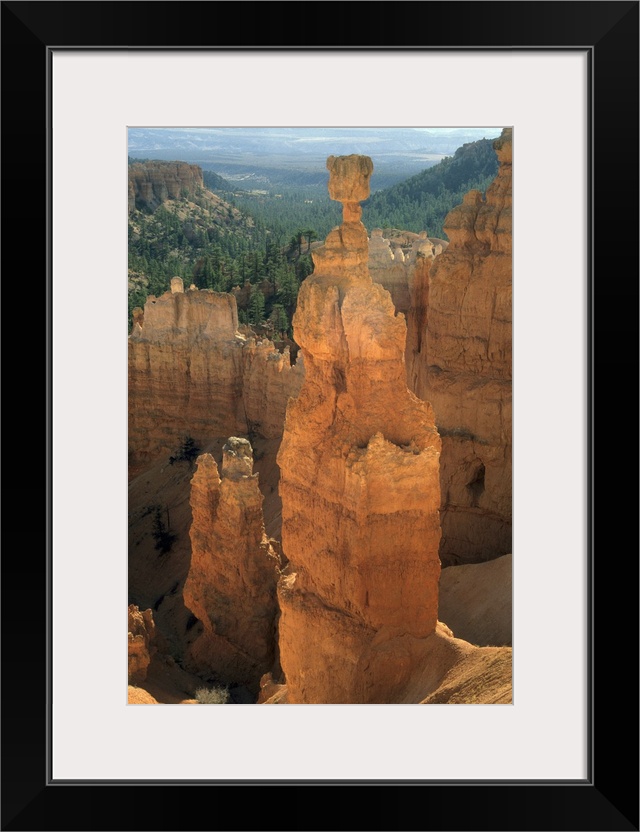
(268, 381)
(457, 302)
(359, 464)
(185, 372)
(405, 271)
(191, 373)
(231, 586)
(151, 183)
(463, 367)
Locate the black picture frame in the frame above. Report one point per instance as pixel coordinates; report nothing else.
(608, 798)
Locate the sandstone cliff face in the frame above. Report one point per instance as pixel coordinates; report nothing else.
(231, 585)
(359, 466)
(185, 373)
(405, 271)
(268, 381)
(151, 183)
(192, 374)
(463, 367)
(400, 268)
(141, 643)
(387, 267)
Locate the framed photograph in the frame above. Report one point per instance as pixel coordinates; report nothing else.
(564, 77)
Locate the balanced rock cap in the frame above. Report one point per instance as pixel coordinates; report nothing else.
(349, 177)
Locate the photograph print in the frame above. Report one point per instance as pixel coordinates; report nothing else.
(319, 402)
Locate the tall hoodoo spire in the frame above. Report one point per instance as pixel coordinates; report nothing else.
(360, 486)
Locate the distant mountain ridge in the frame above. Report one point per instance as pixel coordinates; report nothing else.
(215, 182)
(316, 142)
(422, 201)
(271, 157)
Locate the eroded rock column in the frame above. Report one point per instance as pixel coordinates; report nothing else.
(360, 488)
(142, 646)
(231, 585)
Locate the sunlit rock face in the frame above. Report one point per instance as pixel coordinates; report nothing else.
(231, 586)
(269, 380)
(185, 373)
(457, 301)
(463, 367)
(360, 483)
(191, 373)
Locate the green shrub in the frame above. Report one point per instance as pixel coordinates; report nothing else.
(188, 451)
(212, 696)
(164, 538)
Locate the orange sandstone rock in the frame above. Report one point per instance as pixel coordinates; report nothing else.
(457, 301)
(349, 178)
(185, 373)
(139, 696)
(271, 692)
(269, 380)
(402, 269)
(360, 489)
(463, 367)
(439, 669)
(405, 271)
(192, 373)
(231, 585)
(141, 643)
